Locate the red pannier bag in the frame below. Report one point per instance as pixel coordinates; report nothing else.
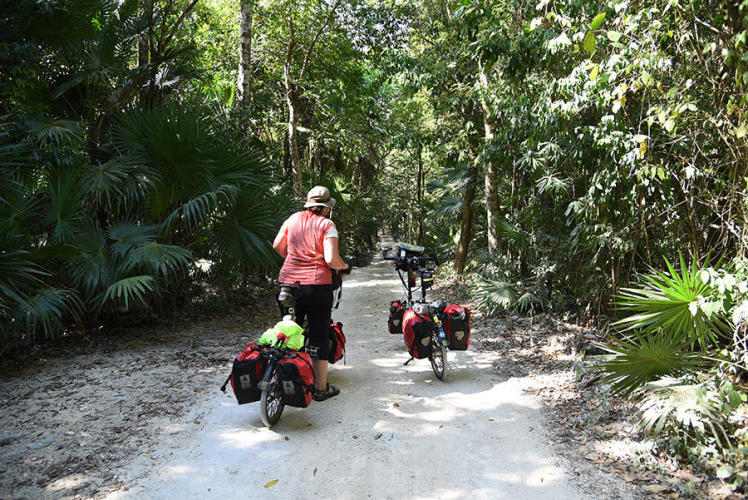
(457, 327)
(296, 374)
(336, 342)
(395, 322)
(417, 331)
(246, 373)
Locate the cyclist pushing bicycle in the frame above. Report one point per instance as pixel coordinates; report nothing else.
(308, 240)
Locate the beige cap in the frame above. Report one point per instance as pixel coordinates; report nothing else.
(319, 196)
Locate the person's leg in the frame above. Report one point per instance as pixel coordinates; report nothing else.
(318, 328)
(320, 368)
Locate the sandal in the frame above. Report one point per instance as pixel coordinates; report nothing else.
(329, 392)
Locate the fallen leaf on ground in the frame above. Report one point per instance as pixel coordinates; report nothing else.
(395, 405)
(271, 483)
(378, 436)
(656, 488)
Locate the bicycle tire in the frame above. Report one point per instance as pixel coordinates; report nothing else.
(438, 356)
(271, 405)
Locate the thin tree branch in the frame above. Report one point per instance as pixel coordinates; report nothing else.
(179, 22)
(316, 37)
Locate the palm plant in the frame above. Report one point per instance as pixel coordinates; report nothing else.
(686, 410)
(646, 356)
(27, 302)
(495, 295)
(680, 303)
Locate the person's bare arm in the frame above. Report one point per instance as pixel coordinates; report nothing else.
(280, 244)
(332, 257)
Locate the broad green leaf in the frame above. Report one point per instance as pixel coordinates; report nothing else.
(669, 124)
(614, 36)
(595, 71)
(589, 42)
(661, 173)
(741, 131)
(598, 21)
(642, 148)
(724, 472)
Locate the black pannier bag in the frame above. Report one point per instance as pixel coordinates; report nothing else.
(395, 322)
(296, 375)
(457, 327)
(417, 332)
(248, 369)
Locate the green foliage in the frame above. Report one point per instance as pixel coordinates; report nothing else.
(690, 412)
(495, 296)
(644, 357)
(680, 303)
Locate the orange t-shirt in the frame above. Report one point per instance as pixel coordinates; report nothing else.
(305, 236)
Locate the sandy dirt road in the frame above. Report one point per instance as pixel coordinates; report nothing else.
(394, 431)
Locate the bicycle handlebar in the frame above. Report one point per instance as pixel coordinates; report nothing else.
(412, 260)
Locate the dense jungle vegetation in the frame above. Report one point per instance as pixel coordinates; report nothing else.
(579, 158)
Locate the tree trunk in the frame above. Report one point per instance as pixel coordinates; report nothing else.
(419, 189)
(145, 50)
(466, 227)
(245, 51)
(491, 176)
(292, 99)
(287, 167)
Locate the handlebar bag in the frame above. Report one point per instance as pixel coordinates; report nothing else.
(336, 342)
(417, 331)
(296, 374)
(395, 322)
(248, 369)
(457, 327)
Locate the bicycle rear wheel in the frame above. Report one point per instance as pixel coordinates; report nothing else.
(271, 405)
(438, 355)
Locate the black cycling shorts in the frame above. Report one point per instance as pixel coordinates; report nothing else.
(314, 302)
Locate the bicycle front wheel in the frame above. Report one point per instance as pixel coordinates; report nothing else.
(271, 405)
(438, 356)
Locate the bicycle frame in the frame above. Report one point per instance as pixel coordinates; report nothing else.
(273, 356)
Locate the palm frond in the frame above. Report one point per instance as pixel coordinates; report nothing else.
(128, 289)
(552, 184)
(676, 302)
(112, 183)
(19, 276)
(19, 210)
(51, 131)
(529, 302)
(246, 231)
(157, 258)
(494, 296)
(674, 406)
(126, 235)
(645, 357)
(65, 211)
(45, 311)
(91, 268)
(198, 209)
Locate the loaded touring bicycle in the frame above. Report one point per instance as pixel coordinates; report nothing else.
(429, 329)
